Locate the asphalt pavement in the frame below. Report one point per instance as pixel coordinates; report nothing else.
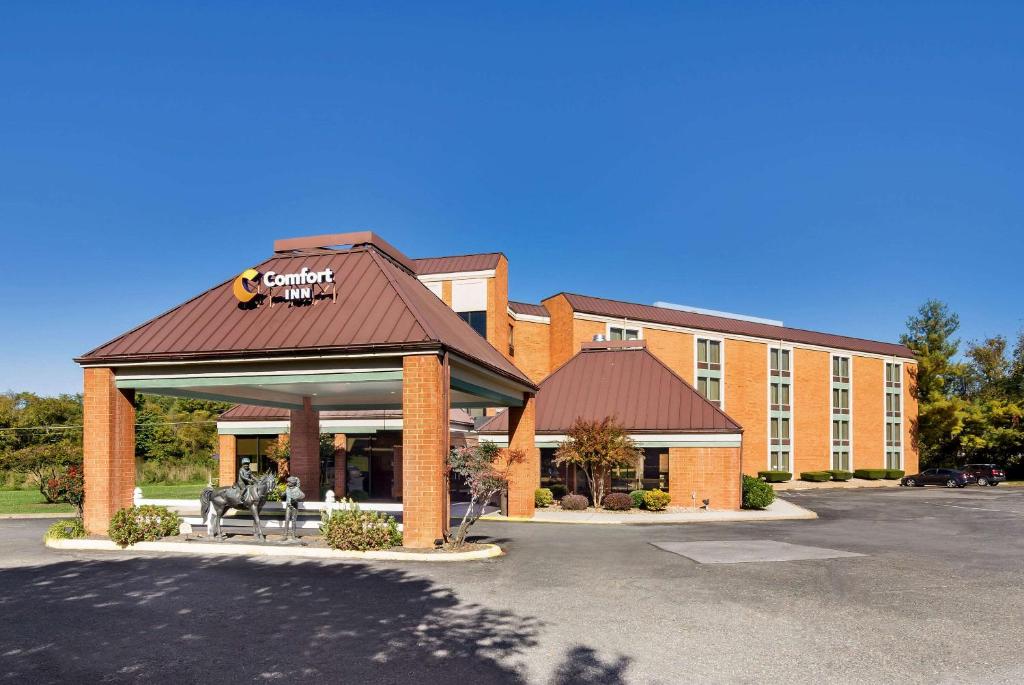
(936, 597)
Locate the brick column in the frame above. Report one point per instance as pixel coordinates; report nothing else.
(524, 477)
(396, 481)
(108, 448)
(304, 437)
(424, 450)
(712, 473)
(340, 464)
(227, 448)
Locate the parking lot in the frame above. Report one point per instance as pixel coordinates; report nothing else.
(934, 596)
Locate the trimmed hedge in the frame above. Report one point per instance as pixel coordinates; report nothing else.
(775, 476)
(618, 501)
(575, 502)
(841, 476)
(558, 491)
(869, 474)
(543, 497)
(757, 494)
(816, 476)
(638, 498)
(66, 529)
(656, 500)
(893, 474)
(144, 523)
(353, 529)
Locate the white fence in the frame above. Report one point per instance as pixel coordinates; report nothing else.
(271, 522)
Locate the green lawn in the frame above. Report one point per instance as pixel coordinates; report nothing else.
(186, 491)
(29, 502)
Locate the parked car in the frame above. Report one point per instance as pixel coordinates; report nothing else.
(985, 474)
(951, 478)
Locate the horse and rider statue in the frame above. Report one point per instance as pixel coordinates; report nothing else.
(248, 493)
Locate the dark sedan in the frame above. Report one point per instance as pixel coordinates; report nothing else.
(951, 478)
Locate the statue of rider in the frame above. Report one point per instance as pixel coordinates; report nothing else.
(293, 496)
(246, 479)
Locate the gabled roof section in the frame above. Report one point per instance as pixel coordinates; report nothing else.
(626, 382)
(457, 263)
(252, 412)
(380, 306)
(529, 309)
(639, 313)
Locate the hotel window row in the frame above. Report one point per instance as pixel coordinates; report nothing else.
(709, 369)
(893, 415)
(780, 379)
(841, 387)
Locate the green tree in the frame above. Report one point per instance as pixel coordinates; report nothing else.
(987, 369)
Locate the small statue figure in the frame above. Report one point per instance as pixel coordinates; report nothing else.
(293, 497)
(246, 479)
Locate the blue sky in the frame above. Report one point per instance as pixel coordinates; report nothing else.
(829, 166)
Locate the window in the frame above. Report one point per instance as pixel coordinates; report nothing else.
(893, 415)
(840, 401)
(840, 433)
(478, 320)
(653, 473)
(780, 396)
(780, 362)
(620, 333)
(780, 390)
(841, 369)
(841, 461)
(709, 369)
(511, 340)
(893, 374)
(892, 404)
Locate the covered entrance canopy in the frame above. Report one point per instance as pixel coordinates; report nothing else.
(335, 322)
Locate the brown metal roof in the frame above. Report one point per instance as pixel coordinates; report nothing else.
(527, 308)
(628, 383)
(252, 412)
(379, 306)
(673, 317)
(457, 263)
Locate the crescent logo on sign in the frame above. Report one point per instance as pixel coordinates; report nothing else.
(244, 287)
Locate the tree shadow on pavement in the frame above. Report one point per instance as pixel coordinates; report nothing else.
(216, 620)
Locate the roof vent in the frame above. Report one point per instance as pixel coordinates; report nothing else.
(599, 337)
(339, 240)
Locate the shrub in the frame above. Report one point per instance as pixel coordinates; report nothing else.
(354, 529)
(775, 476)
(842, 476)
(277, 494)
(638, 498)
(816, 476)
(66, 529)
(542, 497)
(893, 474)
(145, 523)
(757, 494)
(574, 502)
(558, 491)
(656, 500)
(618, 501)
(358, 495)
(869, 474)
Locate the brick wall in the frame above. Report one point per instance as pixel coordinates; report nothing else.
(497, 307)
(424, 450)
(911, 457)
(304, 459)
(108, 448)
(524, 478)
(340, 465)
(812, 411)
(533, 349)
(446, 292)
(561, 330)
(868, 413)
(712, 473)
(746, 399)
(227, 448)
(674, 349)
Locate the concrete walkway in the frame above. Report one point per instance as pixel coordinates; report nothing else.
(852, 484)
(779, 510)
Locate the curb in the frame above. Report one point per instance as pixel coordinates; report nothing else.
(45, 515)
(805, 515)
(233, 550)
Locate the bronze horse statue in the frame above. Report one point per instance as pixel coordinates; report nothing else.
(232, 497)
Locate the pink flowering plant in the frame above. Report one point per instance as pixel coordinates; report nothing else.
(485, 468)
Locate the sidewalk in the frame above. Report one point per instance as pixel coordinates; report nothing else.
(834, 485)
(779, 510)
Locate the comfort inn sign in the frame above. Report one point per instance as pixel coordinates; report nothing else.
(303, 285)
